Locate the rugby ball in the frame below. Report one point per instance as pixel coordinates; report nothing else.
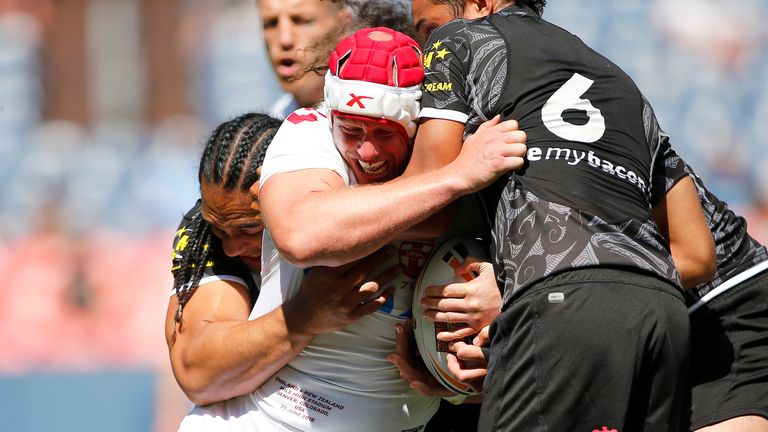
(439, 270)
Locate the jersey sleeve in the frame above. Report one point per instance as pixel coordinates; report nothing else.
(219, 266)
(304, 141)
(446, 68)
(668, 167)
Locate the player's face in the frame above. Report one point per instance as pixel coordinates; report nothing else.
(428, 16)
(291, 28)
(235, 219)
(376, 152)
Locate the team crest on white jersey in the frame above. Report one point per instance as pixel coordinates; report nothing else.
(413, 255)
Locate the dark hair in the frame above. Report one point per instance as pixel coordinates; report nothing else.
(536, 5)
(366, 13)
(380, 13)
(230, 159)
(457, 6)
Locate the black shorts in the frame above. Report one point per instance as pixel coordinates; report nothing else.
(586, 350)
(454, 418)
(729, 355)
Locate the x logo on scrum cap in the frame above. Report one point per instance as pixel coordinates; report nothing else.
(357, 100)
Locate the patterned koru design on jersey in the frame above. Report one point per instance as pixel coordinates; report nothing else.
(564, 238)
(218, 263)
(736, 250)
(583, 198)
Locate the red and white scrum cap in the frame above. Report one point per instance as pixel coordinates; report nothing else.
(376, 72)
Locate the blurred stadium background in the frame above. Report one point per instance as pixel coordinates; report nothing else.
(104, 108)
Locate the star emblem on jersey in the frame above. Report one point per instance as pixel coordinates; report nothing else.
(436, 48)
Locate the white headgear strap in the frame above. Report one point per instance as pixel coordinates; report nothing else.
(399, 104)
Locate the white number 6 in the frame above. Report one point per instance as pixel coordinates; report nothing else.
(568, 97)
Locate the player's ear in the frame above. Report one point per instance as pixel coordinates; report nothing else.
(478, 8)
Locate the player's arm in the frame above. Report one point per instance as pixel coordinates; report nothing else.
(216, 353)
(425, 158)
(677, 210)
(438, 142)
(682, 222)
(314, 219)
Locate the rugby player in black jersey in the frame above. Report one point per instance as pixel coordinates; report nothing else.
(593, 331)
(729, 345)
(728, 380)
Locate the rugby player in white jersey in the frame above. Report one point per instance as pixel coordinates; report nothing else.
(343, 380)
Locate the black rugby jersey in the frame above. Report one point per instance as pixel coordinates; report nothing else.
(736, 250)
(218, 264)
(583, 199)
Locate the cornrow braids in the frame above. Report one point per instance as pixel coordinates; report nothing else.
(232, 155)
(193, 262)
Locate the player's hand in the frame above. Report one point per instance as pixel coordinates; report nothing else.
(495, 148)
(410, 365)
(474, 304)
(468, 362)
(331, 298)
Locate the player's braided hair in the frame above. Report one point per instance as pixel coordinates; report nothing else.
(230, 159)
(457, 6)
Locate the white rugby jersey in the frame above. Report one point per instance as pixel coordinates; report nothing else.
(342, 381)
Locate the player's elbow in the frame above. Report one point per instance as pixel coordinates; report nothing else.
(195, 389)
(203, 391)
(200, 384)
(203, 397)
(319, 245)
(199, 397)
(705, 272)
(298, 248)
(698, 268)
